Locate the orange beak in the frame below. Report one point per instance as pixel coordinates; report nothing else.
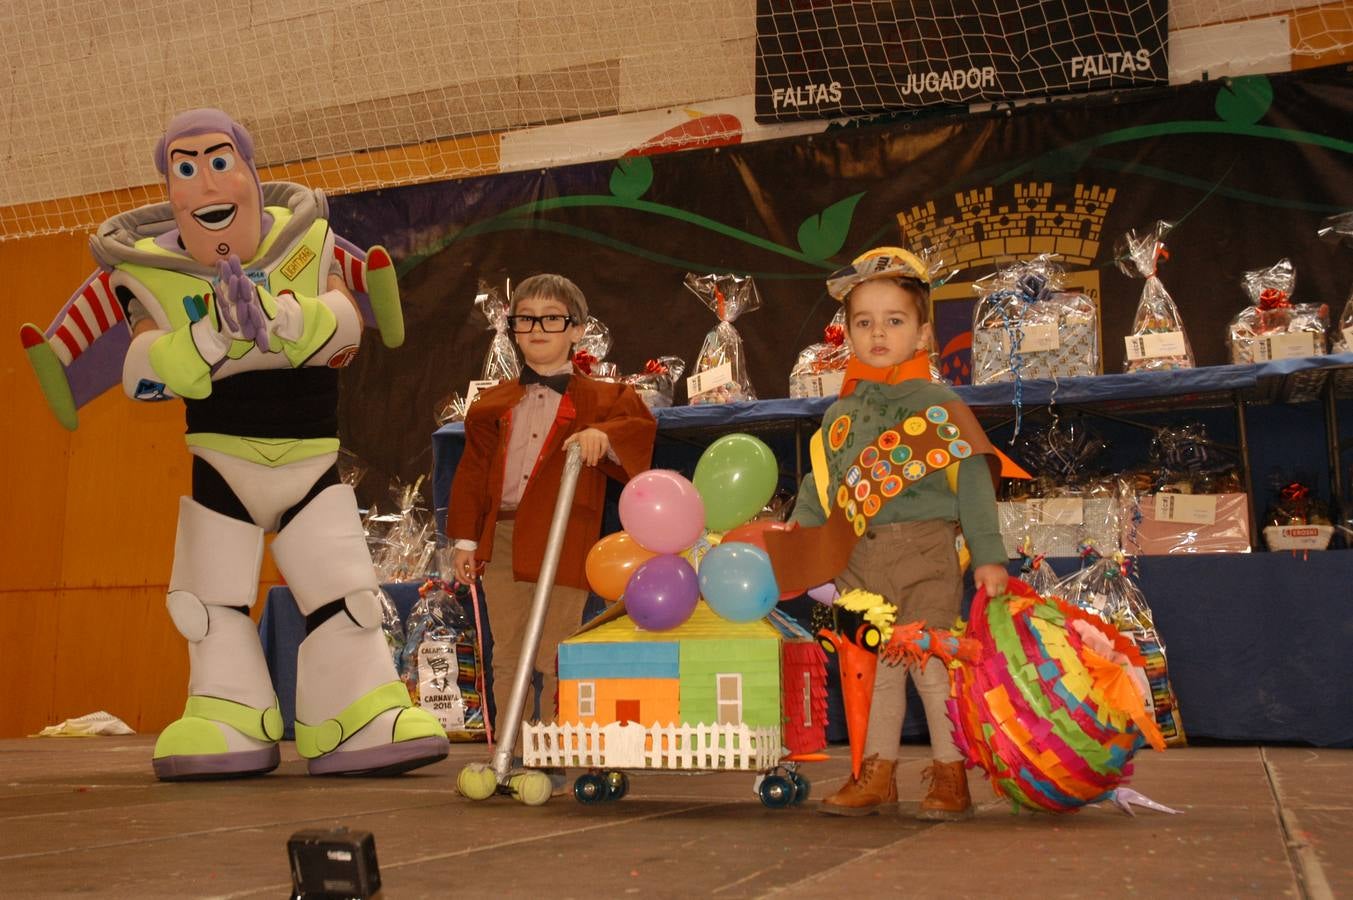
(857, 666)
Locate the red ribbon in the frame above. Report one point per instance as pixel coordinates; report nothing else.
(1295, 491)
(584, 361)
(1273, 298)
(834, 334)
(654, 367)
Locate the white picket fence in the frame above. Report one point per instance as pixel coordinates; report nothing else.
(630, 746)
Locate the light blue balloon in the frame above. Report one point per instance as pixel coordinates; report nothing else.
(737, 581)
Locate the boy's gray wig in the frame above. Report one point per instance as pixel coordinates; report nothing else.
(557, 287)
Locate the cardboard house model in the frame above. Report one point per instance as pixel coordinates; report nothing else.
(766, 674)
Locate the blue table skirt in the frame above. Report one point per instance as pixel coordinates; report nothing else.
(1257, 644)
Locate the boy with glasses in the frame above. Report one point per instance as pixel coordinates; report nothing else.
(504, 491)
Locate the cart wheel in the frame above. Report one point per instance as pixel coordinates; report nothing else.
(477, 782)
(531, 788)
(617, 785)
(802, 786)
(776, 791)
(590, 789)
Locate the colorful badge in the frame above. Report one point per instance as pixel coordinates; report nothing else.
(853, 475)
(888, 440)
(947, 432)
(937, 414)
(881, 471)
(859, 523)
(900, 455)
(960, 449)
(891, 486)
(861, 490)
(914, 426)
(937, 458)
(836, 435)
(913, 470)
(872, 505)
(869, 456)
(842, 496)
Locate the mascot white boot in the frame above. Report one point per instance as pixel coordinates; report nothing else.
(237, 297)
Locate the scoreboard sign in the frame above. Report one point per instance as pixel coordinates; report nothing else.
(817, 59)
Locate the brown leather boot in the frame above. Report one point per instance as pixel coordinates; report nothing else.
(874, 790)
(948, 795)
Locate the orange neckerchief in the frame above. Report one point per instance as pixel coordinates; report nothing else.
(856, 371)
(916, 367)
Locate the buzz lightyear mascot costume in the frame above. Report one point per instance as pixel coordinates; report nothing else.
(240, 303)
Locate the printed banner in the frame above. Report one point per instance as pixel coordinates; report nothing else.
(819, 60)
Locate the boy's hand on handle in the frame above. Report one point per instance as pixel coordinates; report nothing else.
(464, 566)
(593, 442)
(992, 578)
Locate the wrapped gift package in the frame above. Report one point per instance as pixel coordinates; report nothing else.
(589, 354)
(1059, 526)
(1025, 326)
(1298, 537)
(1161, 524)
(656, 384)
(1298, 520)
(1273, 326)
(820, 368)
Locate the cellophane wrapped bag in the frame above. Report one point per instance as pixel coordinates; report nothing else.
(441, 664)
(589, 354)
(727, 296)
(820, 368)
(656, 384)
(1158, 341)
(1339, 229)
(502, 362)
(1106, 587)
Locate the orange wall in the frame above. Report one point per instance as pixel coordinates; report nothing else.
(659, 699)
(86, 529)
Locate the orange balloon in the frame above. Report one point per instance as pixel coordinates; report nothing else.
(754, 532)
(611, 562)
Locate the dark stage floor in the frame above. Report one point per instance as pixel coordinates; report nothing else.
(84, 816)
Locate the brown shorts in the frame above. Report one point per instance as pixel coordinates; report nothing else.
(914, 566)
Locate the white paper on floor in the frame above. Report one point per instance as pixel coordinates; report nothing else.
(87, 726)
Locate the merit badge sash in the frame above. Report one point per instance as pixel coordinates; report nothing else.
(931, 441)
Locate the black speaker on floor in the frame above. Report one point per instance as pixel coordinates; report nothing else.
(333, 864)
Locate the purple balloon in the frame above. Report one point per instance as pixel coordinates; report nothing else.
(662, 593)
(662, 511)
(825, 594)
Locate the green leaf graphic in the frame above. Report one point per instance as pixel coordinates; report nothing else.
(824, 234)
(631, 176)
(1244, 100)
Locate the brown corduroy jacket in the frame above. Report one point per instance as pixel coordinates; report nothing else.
(477, 489)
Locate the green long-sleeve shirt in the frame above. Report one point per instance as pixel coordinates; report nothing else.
(874, 408)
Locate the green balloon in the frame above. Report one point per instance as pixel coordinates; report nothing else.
(735, 477)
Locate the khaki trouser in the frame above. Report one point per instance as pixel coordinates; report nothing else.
(509, 606)
(914, 566)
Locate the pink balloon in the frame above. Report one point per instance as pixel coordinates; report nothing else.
(662, 511)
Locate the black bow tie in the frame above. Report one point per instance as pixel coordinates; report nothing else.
(557, 383)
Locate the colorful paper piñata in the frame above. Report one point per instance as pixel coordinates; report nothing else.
(1053, 713)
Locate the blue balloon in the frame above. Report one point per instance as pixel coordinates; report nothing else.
(737, 581)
